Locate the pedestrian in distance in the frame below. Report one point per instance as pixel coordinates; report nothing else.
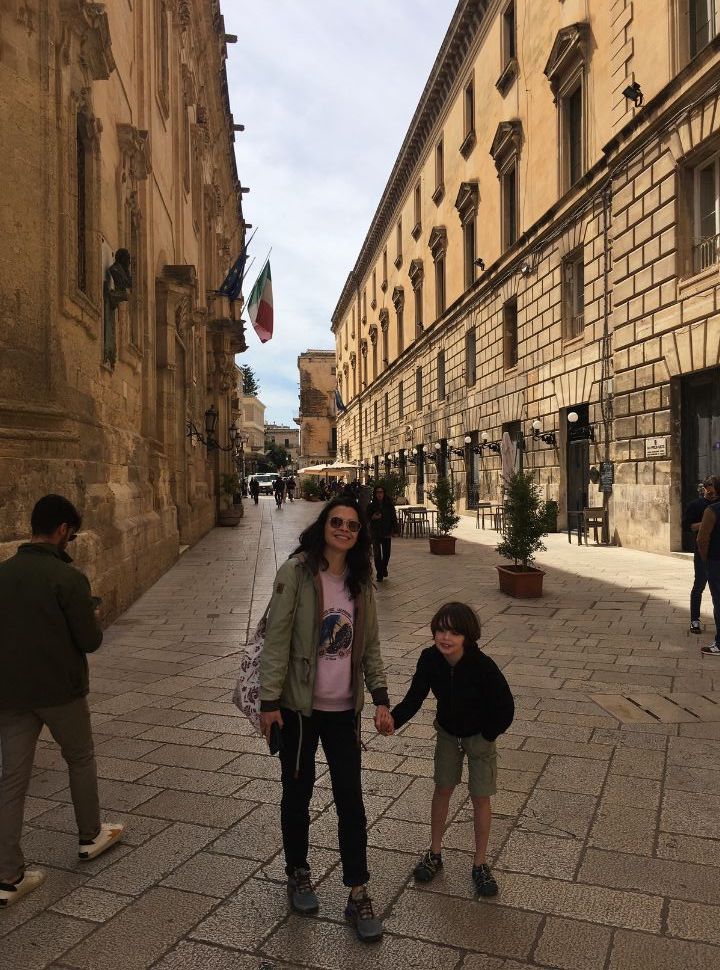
(383, 526)
(290, 486)
(255, 490)
(691, 523)
(321, 642)
(279, 490)
(708, 543)
(49, 624)
(474, 706)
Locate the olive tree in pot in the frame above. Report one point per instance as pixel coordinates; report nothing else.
(526, 521)
(230, 511)
(443, 498)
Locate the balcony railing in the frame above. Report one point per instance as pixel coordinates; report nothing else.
(706, 253)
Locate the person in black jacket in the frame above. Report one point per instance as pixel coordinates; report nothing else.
(383, 526)
(49, 625)
(691, 523)
(474, 706)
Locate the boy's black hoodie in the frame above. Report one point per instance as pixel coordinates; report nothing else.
(473, 696)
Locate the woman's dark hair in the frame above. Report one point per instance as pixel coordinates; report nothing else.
(312, 543)
(52, 511)
(457, 618)
(375, 493)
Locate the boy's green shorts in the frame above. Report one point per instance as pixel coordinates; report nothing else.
(482, 762)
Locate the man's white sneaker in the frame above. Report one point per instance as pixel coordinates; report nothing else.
(713, 649)
(11, 893)
(109, 834)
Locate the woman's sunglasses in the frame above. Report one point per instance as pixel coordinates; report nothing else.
(352, 525)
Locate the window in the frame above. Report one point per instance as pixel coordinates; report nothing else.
(384, 284)
(439, 172)
(470, 357)
(418, 293)
(509, 43)
(352, 321)
(469, 105)
(510, 333)
(509, 207)
(81, 208)
(387, 408)
(706, 215)
(373, 302)
(364, 305)
(163, 56)
(398, 236)
(466, 204)
(440, 286)
(287, 442)
(418, 389)
(367, 421)
(572, 134)
(417, 212)
(400, 313)
(703, 24)
(375, 416)
(469, 252)
(401, 403)
(417, 275)
(441, 375)
(333, 440)
(574, 294)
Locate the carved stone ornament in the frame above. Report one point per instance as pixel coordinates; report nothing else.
(416, 273)
(182, 274)
(364, 347)
(568, 54)
(398, 298)
(135, 145)
(353, 359)
(467, 200)
(384, 320)
(438, 242)
(90, 22)
(506, 143)
(89, 126)
(373, 334)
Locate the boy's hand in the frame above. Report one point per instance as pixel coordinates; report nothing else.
(384, 723)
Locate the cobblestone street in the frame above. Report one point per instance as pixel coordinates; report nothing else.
(604, 838)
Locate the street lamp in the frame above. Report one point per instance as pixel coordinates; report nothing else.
(549, 437)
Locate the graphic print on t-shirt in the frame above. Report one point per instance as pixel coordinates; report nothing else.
(336, 633)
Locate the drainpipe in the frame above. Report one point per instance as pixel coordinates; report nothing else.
(606, 397)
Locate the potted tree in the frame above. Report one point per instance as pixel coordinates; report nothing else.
(526, 521)
(443, 498)
(232, 511)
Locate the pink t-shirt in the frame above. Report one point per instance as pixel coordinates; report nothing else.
(333, 677)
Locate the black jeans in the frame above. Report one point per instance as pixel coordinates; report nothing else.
(713, 575)
(381, 552)
(698, 587)
(337, 732)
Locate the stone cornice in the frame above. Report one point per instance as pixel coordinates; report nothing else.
(507, 142)
(449, 63)
(568, 51)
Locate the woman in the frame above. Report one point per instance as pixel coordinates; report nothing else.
(321, 638)
(383, 526)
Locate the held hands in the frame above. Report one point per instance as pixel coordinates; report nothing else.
(384, 723)
(267, 719)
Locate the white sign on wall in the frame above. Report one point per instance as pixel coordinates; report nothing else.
(656, 447)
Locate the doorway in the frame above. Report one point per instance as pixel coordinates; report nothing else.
(579, 436)
(700, 436)
(420, 469)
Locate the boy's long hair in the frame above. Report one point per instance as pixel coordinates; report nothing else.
(457, 618)
(312, 543)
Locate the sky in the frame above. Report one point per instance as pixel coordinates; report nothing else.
(326, 90)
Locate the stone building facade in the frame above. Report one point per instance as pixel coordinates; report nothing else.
(286, 437)
(538, 284)
(317, 413)
(253, 429)
(120, 217)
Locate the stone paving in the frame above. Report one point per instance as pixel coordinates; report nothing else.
(605, 831)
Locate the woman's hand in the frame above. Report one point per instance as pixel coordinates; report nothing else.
(267, 719)
(384, 723)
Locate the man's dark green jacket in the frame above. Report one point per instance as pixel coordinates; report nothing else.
(47, 625)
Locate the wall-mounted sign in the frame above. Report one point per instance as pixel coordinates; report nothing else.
(607, 476)
(656, 447)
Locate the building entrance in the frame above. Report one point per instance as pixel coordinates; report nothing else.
(578, 459)
(700, 445)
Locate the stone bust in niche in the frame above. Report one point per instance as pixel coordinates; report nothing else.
(116, 290)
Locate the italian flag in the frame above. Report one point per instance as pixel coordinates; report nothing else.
(260, 305)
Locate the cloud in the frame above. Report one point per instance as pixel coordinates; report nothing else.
(326, 91)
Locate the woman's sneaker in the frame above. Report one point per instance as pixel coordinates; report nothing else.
(428, 867)
(301, 892)
(695, 626)
(13, 892)
(484, 880)
(108, 835)
(359, 912)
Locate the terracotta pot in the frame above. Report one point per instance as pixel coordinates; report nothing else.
(442, 545)
(521, 583)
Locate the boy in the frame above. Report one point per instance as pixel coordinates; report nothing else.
(474, 706)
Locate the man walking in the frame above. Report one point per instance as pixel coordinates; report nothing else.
(49, 624)
(708, 543)
(691, 523)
